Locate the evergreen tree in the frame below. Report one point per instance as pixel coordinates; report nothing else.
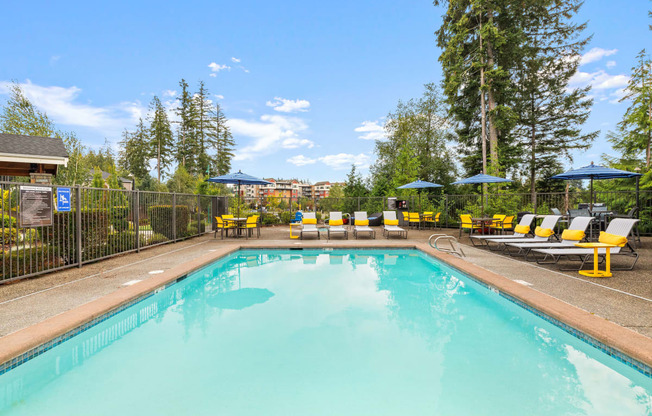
(480, 40)
(186, 152)
(161, 140)
(221, 140)
(204, 125)
(103, 158)
(19, 116)
(135, 152)
(76, 170)
(551, 114)
(634, 135)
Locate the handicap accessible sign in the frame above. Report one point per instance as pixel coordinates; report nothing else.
(63, 199)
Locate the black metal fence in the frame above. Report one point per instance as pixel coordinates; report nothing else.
(95, 223)
(281, 209)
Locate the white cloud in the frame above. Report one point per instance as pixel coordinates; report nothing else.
(268, 135)
(63, 106)
(372, 130)
(169, 93)
(215, 68)
(289, 106)
(596, 54)
(603, 85)
(236, 60)
(343, 161)
(611, 64)
(293, 143)
(301, 160)
(212, 75)
(219, 96)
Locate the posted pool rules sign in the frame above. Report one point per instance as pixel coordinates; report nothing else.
(35, 206)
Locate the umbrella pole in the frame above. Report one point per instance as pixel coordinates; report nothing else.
(591, 195)
(638, 180)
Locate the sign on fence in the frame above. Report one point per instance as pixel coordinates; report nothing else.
(63, 199)
(35, 206)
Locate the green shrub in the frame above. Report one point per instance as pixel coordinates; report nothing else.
(119, 218)
(30, 260)
(8, 221)
(121, 242)
(160, 218)
(269, 219)
(94, 234)
(9, 236)
(285, 217)
(155, 238)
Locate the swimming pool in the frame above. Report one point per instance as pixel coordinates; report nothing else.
(315, 332)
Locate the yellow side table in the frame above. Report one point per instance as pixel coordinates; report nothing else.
(595, 272)
(294, 236)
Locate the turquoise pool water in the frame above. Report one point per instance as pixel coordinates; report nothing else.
(342, 332)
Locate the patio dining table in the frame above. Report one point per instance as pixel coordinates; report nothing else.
(236, 222)
(483, 222)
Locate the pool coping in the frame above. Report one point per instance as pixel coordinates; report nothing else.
(627, 346)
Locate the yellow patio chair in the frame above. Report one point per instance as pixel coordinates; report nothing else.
(406, 218)
(497, 223)
(466, 223)
(430, 218)
(414, 218)
(251, 225)
(222, 226)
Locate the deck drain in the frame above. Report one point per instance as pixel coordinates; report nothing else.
(131, 282)
(156, 271)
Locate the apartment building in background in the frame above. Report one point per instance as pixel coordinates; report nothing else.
(286, 188)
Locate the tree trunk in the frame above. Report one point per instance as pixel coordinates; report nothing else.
(158, 162)
(493, 131)
(483, 115)
(533, 190)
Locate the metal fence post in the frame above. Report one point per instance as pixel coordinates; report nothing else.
(446, 209)
(358, 203)
(78, 225)
(174, 216)
(198, 214)
(136, 218)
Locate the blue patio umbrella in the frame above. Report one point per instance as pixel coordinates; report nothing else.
(238, 178)
(419, 184)
(481, 178)
(598, 172)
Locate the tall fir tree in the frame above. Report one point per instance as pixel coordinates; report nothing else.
(186, 144)
(204, 124)
(135, 152)
(161, 140)
(551, 113)
(221, 140)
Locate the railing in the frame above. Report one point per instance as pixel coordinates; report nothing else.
(97, 223)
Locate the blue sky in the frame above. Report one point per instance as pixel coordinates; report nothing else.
(306, 85)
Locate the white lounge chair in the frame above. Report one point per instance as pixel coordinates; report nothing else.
(618, 226)
(526, 221)
(336, 225)
(362, 225)
(309, 225)
(390, 216)
(578, 225)
(549, 222)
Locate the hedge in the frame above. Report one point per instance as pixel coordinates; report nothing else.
(119, 218)
(27, 261)
(269, 219)
(160, 218)
(94, 234)
(8, 221)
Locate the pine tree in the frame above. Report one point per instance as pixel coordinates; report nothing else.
(221, 140)
(186, 146)
(161, 140)
(135, 152)
(551, 114)
(480, 40)
(76, 170)
(19, 116)
(635, 129)
(204, 125)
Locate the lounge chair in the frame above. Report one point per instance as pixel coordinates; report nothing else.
(391, 224)
(618, 227)
(520, 231)
(309, 225)
(336, 225)
(362, 225)
(575, 233)
(542, 233)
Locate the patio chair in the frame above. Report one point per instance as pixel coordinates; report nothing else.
(251, 225)
(391, 225)
(618, 227)
(336, 225)
(507, 224)
(406, 218)
(564, 218)
(520, 231)
(542, 233)
(362, 225)
(466, 223)
(575, 233)
(222, 227)
(309, 225)
(297, 218)
(414, 219)
(497, 223)
(430, 218)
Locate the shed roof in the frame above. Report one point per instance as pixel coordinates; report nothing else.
(30, 146)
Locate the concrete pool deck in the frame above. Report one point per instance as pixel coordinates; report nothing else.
(101, 286)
